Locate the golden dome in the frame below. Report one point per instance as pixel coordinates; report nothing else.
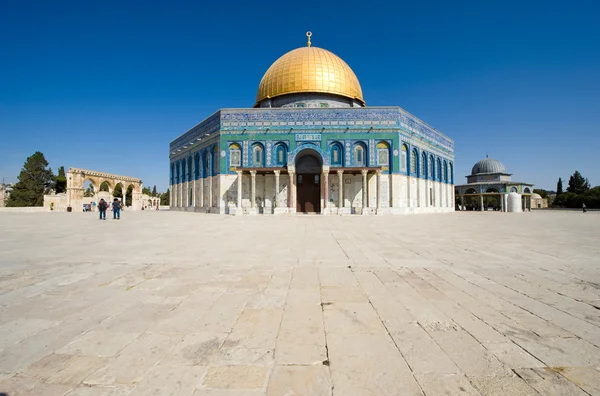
(309, 69)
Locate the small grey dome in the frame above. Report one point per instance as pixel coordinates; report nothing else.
(488, 165)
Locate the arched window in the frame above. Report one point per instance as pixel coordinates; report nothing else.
(281, 154)
(383, 154)
(527, 190)
(413, 162)
(439, 170)
(189, 167)
(431, 168)
(359, 155)
(424, 165)
(451, 173)
(196, 165)
(172, 173)
(336, 154)
(513, 189)
(235, 155)
(257, 155)
(445, 171)
(404, 158)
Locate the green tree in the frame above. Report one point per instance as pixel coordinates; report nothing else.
(164, 198)
(578, 184)
(34, 180)
(146, 191)
(104, 186)
(559, 187)
(541, 192)
(118, 191)
(154, 191)
(129, 196)
(60, 185)
(89, 192)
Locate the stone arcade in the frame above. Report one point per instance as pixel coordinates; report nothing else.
(310, 145)
(74, 196)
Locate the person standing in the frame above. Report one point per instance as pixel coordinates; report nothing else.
(116, 207)
(584, 208)
(102, 206)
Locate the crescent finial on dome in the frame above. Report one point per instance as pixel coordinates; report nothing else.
(308, 34)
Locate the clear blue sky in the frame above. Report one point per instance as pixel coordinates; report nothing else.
(106, 85)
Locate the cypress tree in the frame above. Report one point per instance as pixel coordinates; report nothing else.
(61, 181)
(35, 179)
(578, 184)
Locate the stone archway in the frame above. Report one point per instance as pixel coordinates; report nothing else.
(77, 177)
(308, 167)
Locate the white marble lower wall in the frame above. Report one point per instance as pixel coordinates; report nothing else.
(399, 194)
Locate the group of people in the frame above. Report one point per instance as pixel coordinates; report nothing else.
(116, 208)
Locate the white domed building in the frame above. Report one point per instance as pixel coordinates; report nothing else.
(489, 187)
(310, 144)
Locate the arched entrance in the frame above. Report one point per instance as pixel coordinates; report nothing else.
(308, 182)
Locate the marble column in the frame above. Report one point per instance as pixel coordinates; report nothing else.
(481, 203)
(171, 196)
(378, 189)
(325, 191)
(194, 193)
(292, 191)
(501, 203)
(209, 179)
(201, 195)
(253, 189)
(341, 189)
(364, 189)
(239, 190)
(276, 188)
(179, 199)
(462, 202)
(187, 193)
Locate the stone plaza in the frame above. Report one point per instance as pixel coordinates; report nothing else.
(173, 303)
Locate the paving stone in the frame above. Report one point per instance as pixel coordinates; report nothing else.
(78, 368)
(98, 343)
(512, 355)
(300, 380)
(352, 318)
(548, 381)
(421, 352)
(195, 349)
(87, 390)
(368, 364)
(587, 378)
(170, 380)
(502, 386)
(446, 384)
(432, 304)
(236, 377)
(27, 387)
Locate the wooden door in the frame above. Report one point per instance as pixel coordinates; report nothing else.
(308, 193)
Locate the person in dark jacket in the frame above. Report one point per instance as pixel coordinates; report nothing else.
(102, 206)
(116, 207)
